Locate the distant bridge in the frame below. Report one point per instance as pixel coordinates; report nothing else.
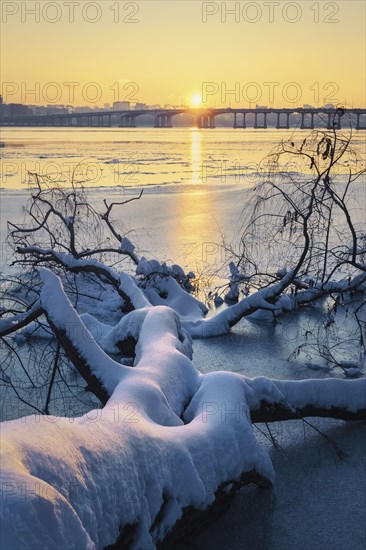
(205, 118)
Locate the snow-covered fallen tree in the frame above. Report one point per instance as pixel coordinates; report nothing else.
(167, 438)
(166, 441)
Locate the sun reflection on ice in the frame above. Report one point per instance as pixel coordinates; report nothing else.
(195, 215)
(196, 156)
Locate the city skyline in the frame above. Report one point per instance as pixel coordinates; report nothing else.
(126, 105)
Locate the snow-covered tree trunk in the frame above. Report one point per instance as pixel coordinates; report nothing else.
(167, 441)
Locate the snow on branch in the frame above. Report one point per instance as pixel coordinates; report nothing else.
(273, 400)
(123, 283)
(168, 439)
(124, 458)
(96, 367)
(16, 322)
(318, 291)
(222, 322)
(67, 221)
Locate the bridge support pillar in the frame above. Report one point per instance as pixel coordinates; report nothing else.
(337, 121)
(303, 125)
(278, 125)
(244, 120)
(205, 121)
(329, 124)
(256, 120)
(166, 121)
(235, 122)
(163, 121)
(334, 121)
(358, 124)
(128, 121)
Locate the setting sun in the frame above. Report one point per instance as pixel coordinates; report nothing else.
(196, 100)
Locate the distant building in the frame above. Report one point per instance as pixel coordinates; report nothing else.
(261, 107)
(57, 110)
(4, 108)
(329, 106)
(17, 109)
(140, 107)
(83, 109)
(121, 106)
(107, 106)
(307, 106)
(38, 110)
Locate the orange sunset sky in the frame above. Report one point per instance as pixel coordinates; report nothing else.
(169, 49)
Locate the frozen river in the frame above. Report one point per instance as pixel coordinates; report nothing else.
(195, 186)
